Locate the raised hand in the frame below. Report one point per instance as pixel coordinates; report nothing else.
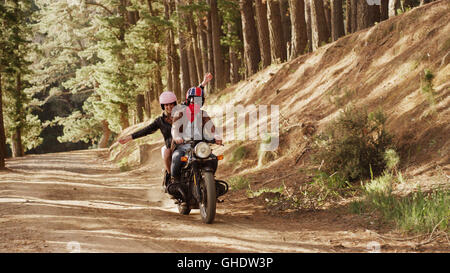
(207, 78)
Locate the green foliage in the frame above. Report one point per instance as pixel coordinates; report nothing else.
(15, 51)
(78, 127)
(232, 24)
(353, 144)
(418, 212)
(123, 165)
(238, 154)
(253, 194)
(427, 87)
(94, 54)
(238, 183)
(392, 159)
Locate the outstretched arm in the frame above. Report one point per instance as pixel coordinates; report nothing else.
(125, 139)
(150, 129)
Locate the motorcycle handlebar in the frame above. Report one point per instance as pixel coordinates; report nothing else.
(212, 141)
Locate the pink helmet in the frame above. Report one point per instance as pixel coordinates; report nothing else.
(167, 97)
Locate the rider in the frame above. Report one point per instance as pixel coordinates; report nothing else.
(167, 100)
(190, 122)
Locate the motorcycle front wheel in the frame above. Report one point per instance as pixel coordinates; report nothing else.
(209, 199)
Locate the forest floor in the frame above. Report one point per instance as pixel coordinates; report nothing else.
(77, 201)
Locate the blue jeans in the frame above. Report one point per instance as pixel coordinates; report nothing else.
(177, 164)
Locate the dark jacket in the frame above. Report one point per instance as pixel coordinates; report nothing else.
(161, 123)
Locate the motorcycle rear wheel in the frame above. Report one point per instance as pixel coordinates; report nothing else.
(209, 199)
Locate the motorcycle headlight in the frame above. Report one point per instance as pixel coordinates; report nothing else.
(202, 150)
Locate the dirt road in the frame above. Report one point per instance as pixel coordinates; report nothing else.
(78, 202)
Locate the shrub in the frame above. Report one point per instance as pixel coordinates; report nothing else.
(417, 212)
(123, 165)
(238, 154)
(353, 145)
(238, 183)
(427, 87)
(253, 194)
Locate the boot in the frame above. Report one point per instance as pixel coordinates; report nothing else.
(166, 181)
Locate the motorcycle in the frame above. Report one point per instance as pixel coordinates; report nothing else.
(198, 188)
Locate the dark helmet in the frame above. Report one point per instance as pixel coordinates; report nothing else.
(195, 92)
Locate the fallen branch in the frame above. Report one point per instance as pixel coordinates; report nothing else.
(430, 239)
(395, 238)
(278, 178)
(301, 155)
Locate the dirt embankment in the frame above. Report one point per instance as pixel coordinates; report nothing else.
(380, 67)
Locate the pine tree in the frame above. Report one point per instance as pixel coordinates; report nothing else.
(22, 128)
(232, 26)
(219, 71)
(65, 67)
(337, 20)
(299, 35)
(277, 45)
(263, 32)
(320, 34)
(251, 49)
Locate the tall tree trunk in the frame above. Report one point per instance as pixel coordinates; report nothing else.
(158, 73)
(203, 44)
(140, 107)
(354, 15)
(17, 147)
(327, 12)
(176, 70)
(285, 23)
(169, 48)
(2, 131)
(393, 6)
(235, 65)
(124, 122)
(175, 57)
(277, 46)
(348, 16)
(195, 43)
(263, 32)
(212, 85)
(184, 60)
(103, 143)
(365, 15)
(298, 22)
(148, 100)
(337, 20)
(251, 49)
(192, 66)
(374, 12)
(384, 10)
(192, 53)
(308, 23)
(319, 28)
(218, 55)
